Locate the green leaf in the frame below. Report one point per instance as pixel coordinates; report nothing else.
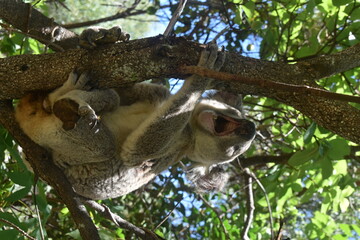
(325, 204)
(344, 204)
(326, 167)
(339, 3)
(18, 194)
(341, 167)
(356, 228)
(249, 9)
(338, 148)
(309, 133)
(345, 228)
(355, 14)
(9, 234)
(75, 234)
(151, 10)
(21, 178)
(303, 156)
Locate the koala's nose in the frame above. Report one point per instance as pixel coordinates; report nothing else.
(247, 130)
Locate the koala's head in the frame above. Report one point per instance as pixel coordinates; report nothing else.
(30, 112)
(30, 108)
(220, 131)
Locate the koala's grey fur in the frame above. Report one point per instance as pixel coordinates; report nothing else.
(140, 133)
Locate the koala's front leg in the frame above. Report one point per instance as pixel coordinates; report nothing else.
(162, 131)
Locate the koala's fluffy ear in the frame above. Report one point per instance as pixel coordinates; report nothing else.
(205, 178)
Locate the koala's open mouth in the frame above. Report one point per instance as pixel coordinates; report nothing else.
(224, 125)
(219, 124)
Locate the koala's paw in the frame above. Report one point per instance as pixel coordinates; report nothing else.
(92, 37)
(89, 115)
(211, 57)
(70, 112)
(67, 111)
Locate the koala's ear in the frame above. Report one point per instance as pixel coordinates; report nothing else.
(205, 178)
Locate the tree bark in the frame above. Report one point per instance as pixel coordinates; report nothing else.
(138, 60)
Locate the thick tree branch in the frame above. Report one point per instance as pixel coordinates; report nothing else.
(148, 58)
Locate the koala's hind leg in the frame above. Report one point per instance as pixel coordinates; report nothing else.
(73, 101)
(78, 104)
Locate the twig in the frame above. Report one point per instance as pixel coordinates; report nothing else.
(42, 40)
(266, 197)
(249, 204)
(37, 209)
(17, 228)
(105, 212)
(127, 13)
(174, 18)
(167, 216)
(280, 231)
(222, 32)
(217, 214)
(298, 89)
(256, 160)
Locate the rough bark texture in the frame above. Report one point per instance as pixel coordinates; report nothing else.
(143, 59)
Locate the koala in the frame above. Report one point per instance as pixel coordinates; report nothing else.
(111, 142)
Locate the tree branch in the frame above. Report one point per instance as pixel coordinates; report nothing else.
(17, 228)
(251, 174)
(105, 212)
(30, 21)
(291, 88)
(256, 160)
(131, 11)
(139, 60)
(249, 204)
(217, 215)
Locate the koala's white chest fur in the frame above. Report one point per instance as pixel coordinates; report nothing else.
(127, 118)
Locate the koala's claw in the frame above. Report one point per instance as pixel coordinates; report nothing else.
(75, 81)
(83, 82)
(211, 57)
(220, 60)
(89, 114)
(85, 110)
(73, 77)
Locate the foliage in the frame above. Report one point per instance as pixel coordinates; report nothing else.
(312, 195)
